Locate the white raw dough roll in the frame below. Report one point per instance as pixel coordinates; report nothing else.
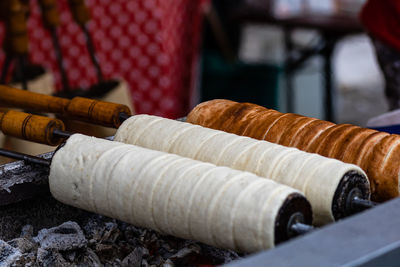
(316, 176)
(183, 197)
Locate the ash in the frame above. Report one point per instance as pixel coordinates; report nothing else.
(101, 241)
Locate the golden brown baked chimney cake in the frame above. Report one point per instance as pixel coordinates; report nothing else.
(377, 153)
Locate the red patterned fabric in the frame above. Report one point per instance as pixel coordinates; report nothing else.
(152, 44)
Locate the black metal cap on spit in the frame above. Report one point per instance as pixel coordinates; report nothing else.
(352, 195)
(294, 218)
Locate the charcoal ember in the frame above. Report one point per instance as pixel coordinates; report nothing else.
(105, 239)
(145, 263)
(194, 253)
(47, 258)
(94, 228)
(156, 260)
(27, 260)
(111, 233)
(218, 256)
(135, 257)
(102, 241)
(8, 254)
(187, 251)
(23, 244)
(166, 251)
(133, 235)
(168, 263)
(125, 248)
(67, 236)
(112, 263)
(153, 241)
(132, 232)
(189, 255)
(89, 258)
(100, 230)
(105, 251)
(27, 232)
(116, 263)
(175, 244)
(69, 255)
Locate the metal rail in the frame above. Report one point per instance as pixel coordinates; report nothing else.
(371, 238)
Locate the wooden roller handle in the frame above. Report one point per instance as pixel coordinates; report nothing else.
(80, 12)
(96, 111)
(79, 108)
(16, 39)
(30, 127)
(12, 97)
(50, 14)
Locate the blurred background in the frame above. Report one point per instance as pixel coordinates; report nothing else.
(272, 36)
(287, 55)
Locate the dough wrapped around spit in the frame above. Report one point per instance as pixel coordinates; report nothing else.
(175, 195)
(326, 183)
(377, 153)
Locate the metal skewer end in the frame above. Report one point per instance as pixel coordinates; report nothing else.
(301, 228)
(363, 203)
(123, 116)
(61, 133)
(355, 202)
(296, 225)
(24, 157)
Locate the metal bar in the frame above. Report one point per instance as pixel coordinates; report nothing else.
(20, 180)
(301, 228)
(371, 238)
(59, 57)
(289, 74)
(92, 53)
(5, 68)
(123, 116)
(24, 157)
(62, 134)
(329, 87)
(356, 203)
(21, 71)
(297, 61)
(363, 203)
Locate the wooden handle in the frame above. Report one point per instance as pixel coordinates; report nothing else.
(79, 10)
(79, 108)
(16, 38)
(50, 14)
(11, 97)
(96, 111)
(30, 127)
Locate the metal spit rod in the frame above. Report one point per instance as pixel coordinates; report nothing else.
(25, 157)
(65, 134)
